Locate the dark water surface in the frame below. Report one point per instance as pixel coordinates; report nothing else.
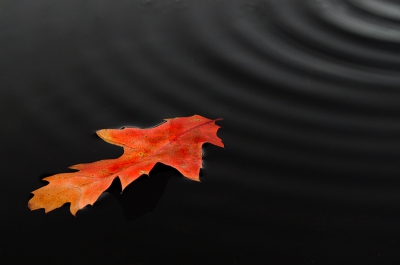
(309, 92)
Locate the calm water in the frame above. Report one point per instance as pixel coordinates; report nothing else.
(309, 92)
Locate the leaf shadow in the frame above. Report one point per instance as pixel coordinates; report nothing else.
(142, 195)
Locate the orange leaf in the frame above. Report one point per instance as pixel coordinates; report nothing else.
(176, 143)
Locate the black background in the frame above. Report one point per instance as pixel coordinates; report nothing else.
(309, 92)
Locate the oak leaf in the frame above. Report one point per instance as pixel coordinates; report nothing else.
(176, 143)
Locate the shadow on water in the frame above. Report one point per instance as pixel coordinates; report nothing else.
(142, 196)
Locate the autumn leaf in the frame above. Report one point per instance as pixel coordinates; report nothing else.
(176, 143)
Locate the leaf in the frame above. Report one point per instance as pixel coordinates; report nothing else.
(176, 143)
